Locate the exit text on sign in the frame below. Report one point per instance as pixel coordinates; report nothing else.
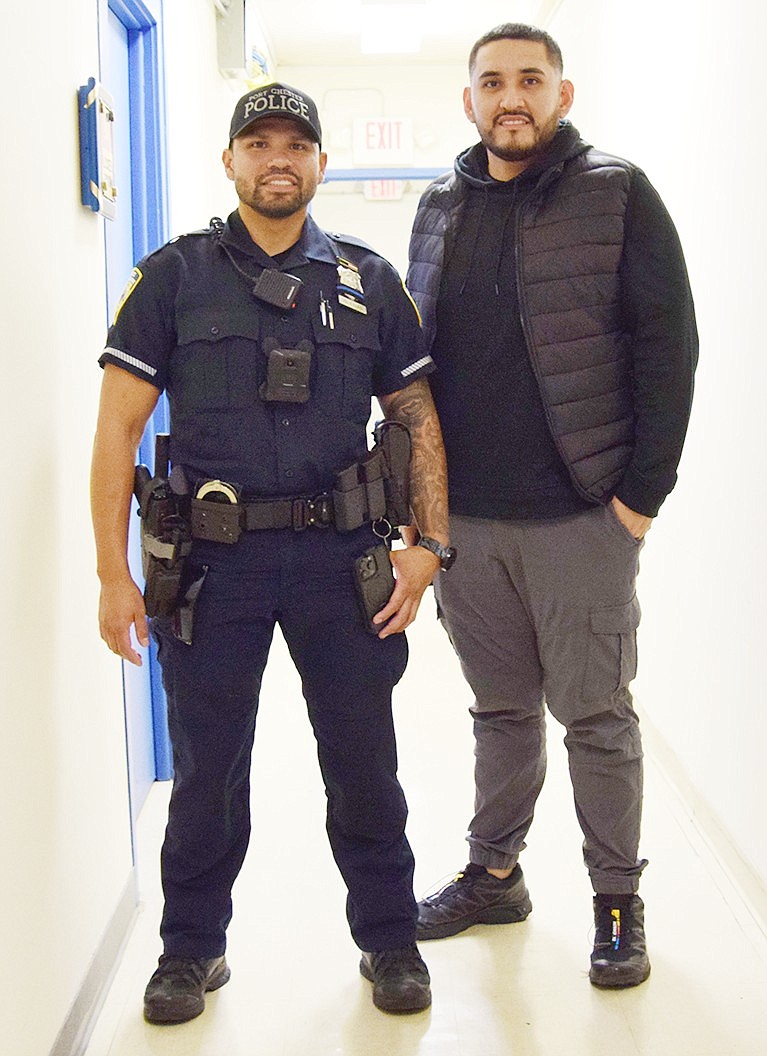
(383, 141)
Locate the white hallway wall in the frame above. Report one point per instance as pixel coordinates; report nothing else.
(64, 811)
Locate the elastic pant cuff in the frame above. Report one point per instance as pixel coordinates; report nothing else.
(616, 883)
(493, 860)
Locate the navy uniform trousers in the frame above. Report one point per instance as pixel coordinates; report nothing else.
(303, 581)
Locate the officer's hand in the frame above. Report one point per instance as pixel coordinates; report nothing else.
(121, 607)
(637, 524)
(410, 534)
(414, 567)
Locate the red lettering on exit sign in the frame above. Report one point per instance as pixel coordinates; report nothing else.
(383, 141)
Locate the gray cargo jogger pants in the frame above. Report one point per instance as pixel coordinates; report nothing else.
(546, 611)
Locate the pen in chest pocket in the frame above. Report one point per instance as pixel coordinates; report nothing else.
(326, 312)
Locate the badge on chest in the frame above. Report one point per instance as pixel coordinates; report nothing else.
(349, 287)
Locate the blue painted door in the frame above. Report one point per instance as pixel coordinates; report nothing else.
(120, 260)
(129, 71)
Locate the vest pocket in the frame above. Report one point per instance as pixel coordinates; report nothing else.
(215, 365)
(343, 376)
(612, 650)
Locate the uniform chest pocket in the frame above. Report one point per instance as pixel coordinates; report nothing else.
(217, 360)
(345, 357)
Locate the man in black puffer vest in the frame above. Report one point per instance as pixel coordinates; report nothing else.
(555, 299)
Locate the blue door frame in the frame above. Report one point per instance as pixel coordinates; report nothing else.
(142, 20)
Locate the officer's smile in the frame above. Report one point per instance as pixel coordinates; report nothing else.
(280, 180)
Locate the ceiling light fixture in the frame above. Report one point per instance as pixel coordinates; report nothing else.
(391, 29)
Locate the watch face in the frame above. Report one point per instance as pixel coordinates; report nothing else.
(449, 558)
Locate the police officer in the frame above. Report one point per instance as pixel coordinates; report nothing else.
(270, 337)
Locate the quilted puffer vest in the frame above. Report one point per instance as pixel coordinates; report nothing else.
(569, 238)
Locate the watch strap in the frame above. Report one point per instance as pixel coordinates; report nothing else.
(446, 554)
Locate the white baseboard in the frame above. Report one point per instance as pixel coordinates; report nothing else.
(743, 888)
(76, 1030)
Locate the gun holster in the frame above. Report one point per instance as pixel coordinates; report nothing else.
(166, 540)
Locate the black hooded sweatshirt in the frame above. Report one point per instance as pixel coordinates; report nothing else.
(502, 459)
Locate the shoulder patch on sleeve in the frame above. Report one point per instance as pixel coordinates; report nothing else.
(135, 278)
(409, 296)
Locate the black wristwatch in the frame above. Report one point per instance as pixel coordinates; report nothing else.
(446, 554)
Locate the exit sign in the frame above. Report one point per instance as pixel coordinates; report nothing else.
(383, 141)
(383, 190)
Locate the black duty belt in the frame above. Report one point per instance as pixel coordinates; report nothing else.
(224, 522)
(298, 513)
(220, 514)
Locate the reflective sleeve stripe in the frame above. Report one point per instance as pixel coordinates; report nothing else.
(416, 366)
(151, 371)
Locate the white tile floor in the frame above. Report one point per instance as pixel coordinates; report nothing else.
(519, 990)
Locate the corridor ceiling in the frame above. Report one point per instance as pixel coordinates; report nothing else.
(328, 32)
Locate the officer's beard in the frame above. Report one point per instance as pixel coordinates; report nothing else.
(272, 206)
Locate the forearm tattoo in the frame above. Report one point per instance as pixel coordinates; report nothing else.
(414, 407)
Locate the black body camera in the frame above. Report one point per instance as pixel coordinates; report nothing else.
(287, 373)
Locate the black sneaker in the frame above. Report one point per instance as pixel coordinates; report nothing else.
(620, 956)
(400, 979)
(473, 897)
(176, 991)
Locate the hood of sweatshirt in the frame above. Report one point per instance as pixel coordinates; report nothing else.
(471, 169)
(471, 165)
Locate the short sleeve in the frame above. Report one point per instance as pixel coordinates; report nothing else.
(142, 335)
(403, 357)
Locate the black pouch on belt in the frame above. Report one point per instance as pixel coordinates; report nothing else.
(358, 492)
(374, 583)
(349, 500)
(216, 511)
(393, 438)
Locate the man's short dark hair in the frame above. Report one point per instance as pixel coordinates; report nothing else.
(519, 31)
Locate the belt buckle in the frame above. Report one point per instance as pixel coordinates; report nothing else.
(320, 510)
(311, 513)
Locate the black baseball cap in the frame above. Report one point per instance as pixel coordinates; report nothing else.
(276, 100)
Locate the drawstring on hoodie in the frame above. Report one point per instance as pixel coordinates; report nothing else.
(471, 169)
(476, 219)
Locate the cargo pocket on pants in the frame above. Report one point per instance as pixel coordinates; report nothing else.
(612, 650)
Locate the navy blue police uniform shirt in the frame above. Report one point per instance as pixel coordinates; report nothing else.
(189, 324)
